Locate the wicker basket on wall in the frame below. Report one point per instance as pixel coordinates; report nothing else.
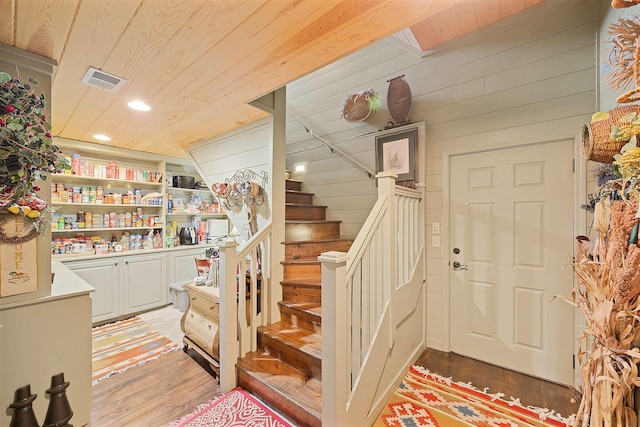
(597, 143)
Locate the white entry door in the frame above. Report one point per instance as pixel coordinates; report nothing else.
(512, 233)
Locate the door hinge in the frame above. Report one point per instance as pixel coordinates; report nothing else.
(573, 161)
(574, 361)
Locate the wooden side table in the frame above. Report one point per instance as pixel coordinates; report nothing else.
(200, 323)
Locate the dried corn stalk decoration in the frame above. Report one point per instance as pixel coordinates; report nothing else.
(624, 57)
(621, 4)
(607, 292)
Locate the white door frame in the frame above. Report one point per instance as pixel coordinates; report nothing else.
(579, 221)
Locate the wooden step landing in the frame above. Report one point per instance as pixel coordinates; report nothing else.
(295, 346)
(295, 395)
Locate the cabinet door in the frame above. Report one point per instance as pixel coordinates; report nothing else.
(182, 267)
(104, 276)
(144, 283)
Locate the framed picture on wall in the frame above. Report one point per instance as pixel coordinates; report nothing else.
(398, 152)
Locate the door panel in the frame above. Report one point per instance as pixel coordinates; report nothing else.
(512, 221)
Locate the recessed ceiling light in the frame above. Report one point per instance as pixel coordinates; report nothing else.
(139, 105)
(102, 137)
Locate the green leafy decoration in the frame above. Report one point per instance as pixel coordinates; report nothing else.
(26, 147)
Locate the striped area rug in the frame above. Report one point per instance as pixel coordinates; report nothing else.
(122, 345)
(427, 399)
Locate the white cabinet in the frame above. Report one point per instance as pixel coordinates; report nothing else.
(104, 275)
(144, 282)
(182, 266)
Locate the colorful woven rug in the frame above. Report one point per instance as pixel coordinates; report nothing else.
(122, 345)
(427, 399)
(236, 408)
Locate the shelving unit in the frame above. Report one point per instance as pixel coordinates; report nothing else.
(107, 204)
(127, 281)
(192, 207)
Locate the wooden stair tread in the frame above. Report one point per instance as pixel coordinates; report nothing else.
(319, 240)
(312, 221)
(302, 282)
(304, 306)
(302, 340)
(299, 205)
(299, 192)
(300, 262)
(282, 382)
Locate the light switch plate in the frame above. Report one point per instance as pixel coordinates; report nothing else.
(435, 228)
(435, 241)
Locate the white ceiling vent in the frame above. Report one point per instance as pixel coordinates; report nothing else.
(102, 80)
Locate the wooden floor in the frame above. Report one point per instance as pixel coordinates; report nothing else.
(531, 391)
(166, 389)
(154, 394)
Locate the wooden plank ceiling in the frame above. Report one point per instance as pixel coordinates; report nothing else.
(198, 62)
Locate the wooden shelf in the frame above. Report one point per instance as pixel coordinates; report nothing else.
(78, 230)
(213, 215)
(107, 205)
(61, 177)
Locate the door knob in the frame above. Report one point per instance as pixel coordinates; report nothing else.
(457, 266)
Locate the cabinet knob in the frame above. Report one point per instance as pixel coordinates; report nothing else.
(126, 262)
(116, 264)
(209, 327)
(212, 307)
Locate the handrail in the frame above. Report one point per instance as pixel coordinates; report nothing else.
(332, 147)
(245, 280)
(363, 239)
(253, 242)
(367, 294)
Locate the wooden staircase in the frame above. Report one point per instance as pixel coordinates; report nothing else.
(286, 370)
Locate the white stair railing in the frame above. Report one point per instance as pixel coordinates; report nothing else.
(245, 279)
(358, 290)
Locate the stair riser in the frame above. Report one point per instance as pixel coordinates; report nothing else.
(298, 198)
(302, 319)
(312, 250)
(295, 232)
(302, 272)
(308, 364)
(294, 413)
(301, 294)
(293, 185)
(302, 212)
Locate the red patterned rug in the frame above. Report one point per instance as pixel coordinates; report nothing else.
(236, 408)
(123, 345)
(427, 399)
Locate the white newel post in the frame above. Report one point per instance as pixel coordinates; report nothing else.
(228, 316)
(387, 185)
(334, 338)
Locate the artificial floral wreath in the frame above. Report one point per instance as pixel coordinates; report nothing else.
(27, 154)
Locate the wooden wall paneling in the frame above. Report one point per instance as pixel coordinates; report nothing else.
(40, 26)
(88, 47)
(244, 149)
(151, 27)
(158, 74)
(7, 28)
(531, 80)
